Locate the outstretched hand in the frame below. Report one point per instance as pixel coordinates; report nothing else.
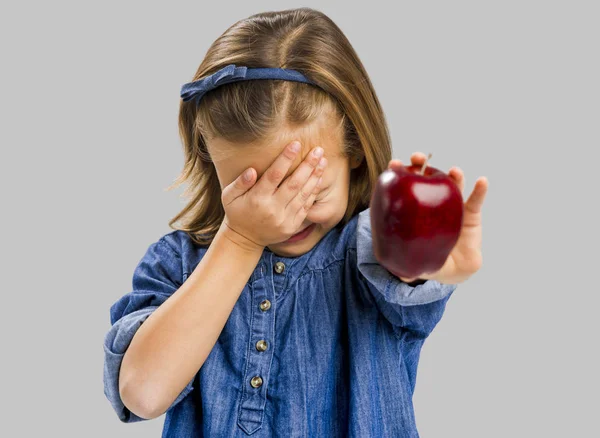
(465, 258)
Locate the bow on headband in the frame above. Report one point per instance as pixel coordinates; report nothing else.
(231, 73)
(199, 88)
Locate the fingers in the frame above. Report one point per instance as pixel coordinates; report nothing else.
(239, 186)
(273, 176)
(475, 201)
(293, 185)
(311, 199)
(305, 197)
(459, 177)
(416, 159)
(394, 164)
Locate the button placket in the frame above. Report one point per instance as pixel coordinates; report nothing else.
(256, 382)
(262, 345)
(262, 326)
(279, 276)
(279, 267)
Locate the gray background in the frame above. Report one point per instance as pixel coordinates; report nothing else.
(506, 89)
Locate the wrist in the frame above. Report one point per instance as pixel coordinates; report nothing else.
(415, 282)
(239, 240)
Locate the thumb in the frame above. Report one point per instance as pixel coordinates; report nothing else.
(395, 164)
(239, 186)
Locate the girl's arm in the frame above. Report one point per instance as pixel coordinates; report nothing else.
(414, 308)
(171, 345)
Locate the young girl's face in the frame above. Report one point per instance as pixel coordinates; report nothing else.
(230, 160)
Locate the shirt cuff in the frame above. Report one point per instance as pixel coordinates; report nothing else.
(392, 289)
(116, 342)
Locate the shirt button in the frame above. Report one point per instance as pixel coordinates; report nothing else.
(279, 267)
(261, 345)
(256, 382)
(265, 305)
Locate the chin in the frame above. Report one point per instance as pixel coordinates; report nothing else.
(295, 249)
(290, 253)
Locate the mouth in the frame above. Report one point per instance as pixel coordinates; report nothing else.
(302, 234)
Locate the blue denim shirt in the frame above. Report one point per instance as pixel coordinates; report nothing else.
(343, 342)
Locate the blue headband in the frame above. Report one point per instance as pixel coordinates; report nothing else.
(231, 73)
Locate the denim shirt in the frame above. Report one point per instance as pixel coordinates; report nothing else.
(343, 338)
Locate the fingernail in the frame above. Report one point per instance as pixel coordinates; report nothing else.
(247, 175)
(295, 146)
(322, 162)
(318, 152)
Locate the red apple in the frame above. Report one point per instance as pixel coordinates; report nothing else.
(416, 219)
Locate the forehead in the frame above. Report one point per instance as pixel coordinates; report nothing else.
(231, 159)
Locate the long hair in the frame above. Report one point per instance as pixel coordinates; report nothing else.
(301, 39)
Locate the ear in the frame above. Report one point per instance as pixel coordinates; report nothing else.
(355, 161)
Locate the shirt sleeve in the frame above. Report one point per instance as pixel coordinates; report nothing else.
(157, 276)
(416, 307)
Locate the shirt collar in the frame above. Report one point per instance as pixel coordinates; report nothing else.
(292, 266)
(329, 249)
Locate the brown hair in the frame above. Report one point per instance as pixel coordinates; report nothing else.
(301, 39)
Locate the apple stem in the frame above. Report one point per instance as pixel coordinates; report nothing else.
(425, 164)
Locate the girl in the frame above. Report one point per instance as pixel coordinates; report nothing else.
(265, 311)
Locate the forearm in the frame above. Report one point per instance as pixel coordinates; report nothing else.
(174, 341)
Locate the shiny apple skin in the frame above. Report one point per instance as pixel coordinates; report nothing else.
(415, 219)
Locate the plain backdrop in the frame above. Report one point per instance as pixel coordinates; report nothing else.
(508, 90)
